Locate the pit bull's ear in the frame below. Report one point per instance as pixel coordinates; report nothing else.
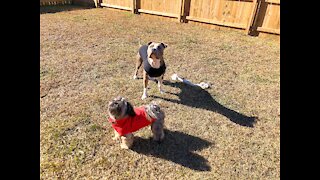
(149, 43)
(164, 45)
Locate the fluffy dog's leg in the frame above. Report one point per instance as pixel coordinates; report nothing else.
(116, 135)
(145, 85)
(157, 131)
(126, 141)
(138, 65)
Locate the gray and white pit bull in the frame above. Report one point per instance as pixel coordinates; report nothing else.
(151, 57)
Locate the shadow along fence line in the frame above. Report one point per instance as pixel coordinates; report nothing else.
(54, 2)
(251, 16)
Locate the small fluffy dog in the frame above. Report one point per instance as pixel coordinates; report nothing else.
(125, 120)
(151, 56)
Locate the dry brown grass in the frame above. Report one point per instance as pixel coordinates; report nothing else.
(87, 58)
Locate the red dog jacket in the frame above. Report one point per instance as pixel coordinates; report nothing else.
(131, 124)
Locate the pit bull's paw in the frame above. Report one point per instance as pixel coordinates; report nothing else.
(135, 77)
(144, 96)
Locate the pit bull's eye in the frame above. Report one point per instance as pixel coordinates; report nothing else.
(151, 45)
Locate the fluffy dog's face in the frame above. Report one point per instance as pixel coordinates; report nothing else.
(155, 53)
(119, 108)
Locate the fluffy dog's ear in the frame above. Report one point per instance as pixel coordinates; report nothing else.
(130, 110)
(164, 45)
(149, 43)
(119, 98)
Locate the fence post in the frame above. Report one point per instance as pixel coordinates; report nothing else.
(253, 15)
(97, 3)
(134, 3)
(181, 11)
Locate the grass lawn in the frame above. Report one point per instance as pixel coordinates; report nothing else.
(87, 57)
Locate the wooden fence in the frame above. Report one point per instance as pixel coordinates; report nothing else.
(251, 16)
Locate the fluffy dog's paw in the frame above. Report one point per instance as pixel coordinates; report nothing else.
(123, 146)
(135, 77)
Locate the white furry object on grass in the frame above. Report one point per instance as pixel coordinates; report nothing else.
(203, 85)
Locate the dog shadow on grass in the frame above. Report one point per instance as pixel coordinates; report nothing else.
(177, 147)
(196, 97)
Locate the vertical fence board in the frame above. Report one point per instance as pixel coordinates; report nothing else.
(252, 16)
